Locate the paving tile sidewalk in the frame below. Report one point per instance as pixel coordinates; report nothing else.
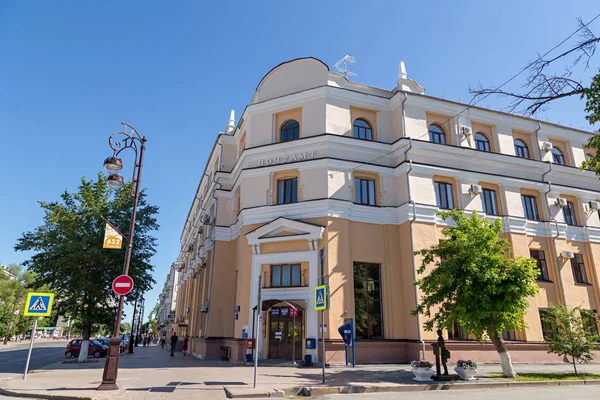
(152, 374)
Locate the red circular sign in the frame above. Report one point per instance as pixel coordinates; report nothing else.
(122, 284)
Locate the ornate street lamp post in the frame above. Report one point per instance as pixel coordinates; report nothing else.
(118, 142)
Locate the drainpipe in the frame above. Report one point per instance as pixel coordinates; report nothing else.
(212, 255)
(537, 141)
(553, 238)
(412, 246)
(404, 119)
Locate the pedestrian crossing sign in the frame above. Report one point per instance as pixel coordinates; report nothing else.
(38, 304)
(321, 298)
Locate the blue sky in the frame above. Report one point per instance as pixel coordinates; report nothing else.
(71, 71)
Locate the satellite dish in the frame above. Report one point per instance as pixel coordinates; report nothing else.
(463, 121)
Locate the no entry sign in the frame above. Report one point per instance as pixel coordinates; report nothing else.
(122, 284)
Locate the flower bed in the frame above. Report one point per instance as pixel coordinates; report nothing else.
(466, 369)
(422, 370)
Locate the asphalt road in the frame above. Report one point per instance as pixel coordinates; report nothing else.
(45, 352)
(546, 393)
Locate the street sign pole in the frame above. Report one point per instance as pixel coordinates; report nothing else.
(353, 343)
(257, 324)
(323, 344)
(35, 321)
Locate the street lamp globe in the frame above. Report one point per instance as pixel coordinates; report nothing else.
(113, 165)
(115, 181)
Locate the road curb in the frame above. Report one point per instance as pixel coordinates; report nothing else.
(320, 391)
(10, 393)
(256, 394)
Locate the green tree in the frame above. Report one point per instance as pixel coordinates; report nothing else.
(474, 281)
(573, 334)
(69, 258)
(125, 327)
(15, 282)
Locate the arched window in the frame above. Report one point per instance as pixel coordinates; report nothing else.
(481, 142)
(437, 134)
(521, 149)
(557, 156)
(290, 131)
(362, 129)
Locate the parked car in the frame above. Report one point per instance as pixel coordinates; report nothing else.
(106, 342)
(96, 348)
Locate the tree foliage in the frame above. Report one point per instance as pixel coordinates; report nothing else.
(69, 257)
(571, 336)
(474, 281)
(15, 282)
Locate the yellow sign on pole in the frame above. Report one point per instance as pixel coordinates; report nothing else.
(38, 304)
(112, 238)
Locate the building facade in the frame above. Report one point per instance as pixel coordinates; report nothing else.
(323, 177)
(167, 301)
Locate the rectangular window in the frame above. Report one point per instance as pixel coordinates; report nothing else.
(490, 206)
(367, 301)
(457, 332)
(540, 257)
(589, 321)
(287, 191)
(579, 269)
(443, 195)
(548, 328)
(364, 191)
(569, 214)
(530, 207)
(508, 334)
(286, 275)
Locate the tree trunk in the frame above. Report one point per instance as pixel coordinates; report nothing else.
(505, 362)
(10, 322)
(85, 343)
(575, 366)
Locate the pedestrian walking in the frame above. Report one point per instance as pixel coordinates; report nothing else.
(162, 342)
(174, 340)
(185, 344)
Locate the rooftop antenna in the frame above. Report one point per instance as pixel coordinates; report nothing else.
(344, 66)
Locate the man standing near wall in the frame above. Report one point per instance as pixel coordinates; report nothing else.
(174, 340)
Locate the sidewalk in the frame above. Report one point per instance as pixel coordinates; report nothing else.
(152, 374)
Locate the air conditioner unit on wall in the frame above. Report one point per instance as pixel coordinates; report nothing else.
(594, 205)
(201, 230)
(204, 307)
(568, 254)
(475, 189)
(560, 202)
(547, 146)
(466, 130)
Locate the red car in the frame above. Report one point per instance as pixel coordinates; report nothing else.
(74, 347)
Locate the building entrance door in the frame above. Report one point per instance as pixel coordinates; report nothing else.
(284, 336)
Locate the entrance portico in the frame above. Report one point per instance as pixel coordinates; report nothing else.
(280, 244)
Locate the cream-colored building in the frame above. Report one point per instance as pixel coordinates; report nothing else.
(324, 175)
(167, 301)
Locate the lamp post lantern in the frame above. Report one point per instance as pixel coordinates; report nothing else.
(129, 138)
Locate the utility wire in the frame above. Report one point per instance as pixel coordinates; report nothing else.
(498, 88)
